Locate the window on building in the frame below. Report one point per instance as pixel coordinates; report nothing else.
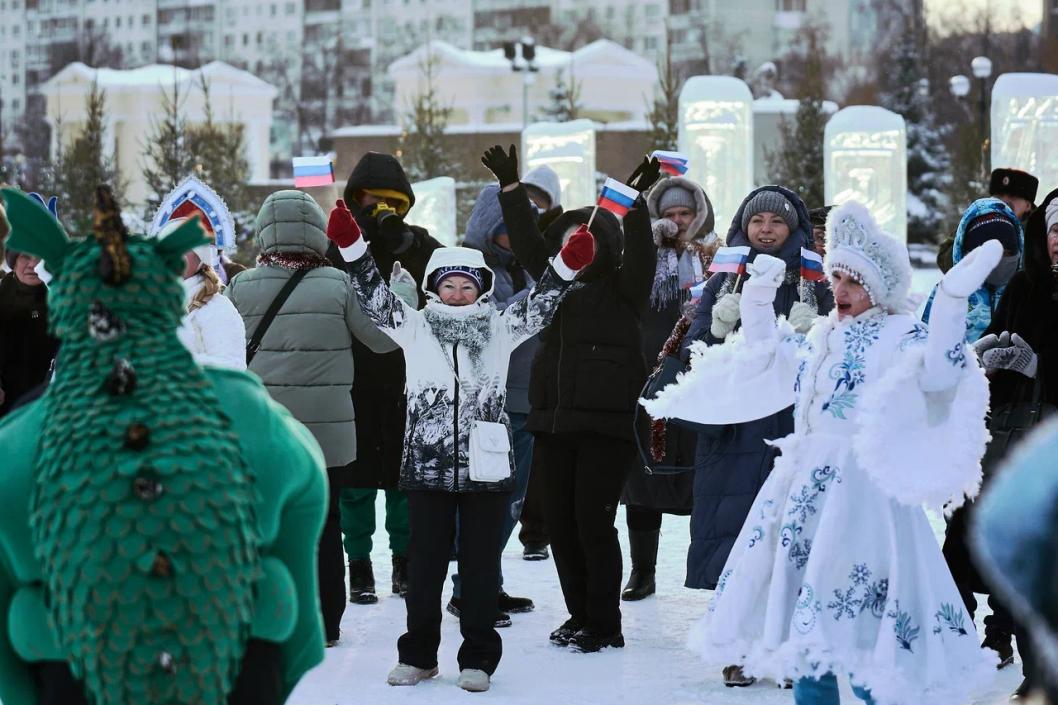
(16, 104)
(117, 22)
(650, 43)
(14, 79)
(229, 41)
(245, 39)
(145, 49)
(791, 5)
(272, 10)
(291, 8)
(260, 38)
(145, 20)
(651, 10)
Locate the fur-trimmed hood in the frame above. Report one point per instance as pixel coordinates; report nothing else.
(704, 220)
(457, 257)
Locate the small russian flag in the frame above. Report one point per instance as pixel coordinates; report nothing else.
(730, 259)
(617, 198)
(313, 171)
(811, 265)
(672, 163)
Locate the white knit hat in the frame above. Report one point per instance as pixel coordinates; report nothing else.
(856, 246)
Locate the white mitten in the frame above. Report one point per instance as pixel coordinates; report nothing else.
(725, 315)
(970, 273)
(802, 316)
(402, 283)
(765, 277)
(664, 229)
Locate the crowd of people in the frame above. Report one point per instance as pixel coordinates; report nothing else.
(174, 529)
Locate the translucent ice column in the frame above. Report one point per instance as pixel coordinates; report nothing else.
(716, 134)
(435, 208)
(865, 160)
(569, 149)
(1025, 125)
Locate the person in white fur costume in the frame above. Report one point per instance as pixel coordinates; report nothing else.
(836, 570)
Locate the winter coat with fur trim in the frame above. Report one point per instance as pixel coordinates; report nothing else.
(732, 462)
(306, 359)
(457, 359)
(590, 369)
(213, 333)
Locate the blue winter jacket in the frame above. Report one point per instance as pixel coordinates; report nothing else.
(732, 462)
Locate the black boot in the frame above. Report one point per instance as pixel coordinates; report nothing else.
(643, 545)
(1001, 642)
(361, 583)
(400, 575)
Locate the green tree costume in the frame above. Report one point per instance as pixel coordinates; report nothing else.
(155, 515)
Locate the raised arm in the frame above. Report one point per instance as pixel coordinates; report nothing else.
(640, 256)
(527, 242)
(756, 306)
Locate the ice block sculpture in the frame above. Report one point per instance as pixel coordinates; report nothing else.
(569, 149)
(435, 208)
(1025, 124)
(865, 160)
(716, 133)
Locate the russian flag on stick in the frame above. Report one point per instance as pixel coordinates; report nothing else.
(811, 265)
(313, 171)
(730, 259)
(617, 198)
(672, 163)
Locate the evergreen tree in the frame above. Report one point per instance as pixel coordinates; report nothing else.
(167, 159)
(565, 100)
(905, 90)
(82, 165)
(218, 153)
(664, 114)
(798, 164)
(422, 141)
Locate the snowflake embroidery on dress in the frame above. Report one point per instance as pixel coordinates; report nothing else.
(861, 595)
(802, 506)
(904, 627)
(849, 373)
(951, 618)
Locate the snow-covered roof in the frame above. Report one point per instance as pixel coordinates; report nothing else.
(157, 75)
(698, 88)
(1025, 85)
(610, 57)
(864, 118)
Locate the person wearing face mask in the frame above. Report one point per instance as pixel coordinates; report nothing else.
(836, 569)
(1019, 350)
(986, 219)
(1013, 187)
(458, 457)
(733, 461)
(582, 390)
(682, 224)
(26, 347)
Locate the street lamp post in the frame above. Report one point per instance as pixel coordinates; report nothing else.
(522, 55)
(982, 69)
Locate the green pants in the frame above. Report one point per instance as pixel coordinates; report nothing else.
(357, 507)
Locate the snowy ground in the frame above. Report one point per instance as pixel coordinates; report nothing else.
(655, 666)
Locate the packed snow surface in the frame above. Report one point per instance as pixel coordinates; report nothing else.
(654, 667)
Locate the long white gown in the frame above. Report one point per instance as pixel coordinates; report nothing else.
(836, 568)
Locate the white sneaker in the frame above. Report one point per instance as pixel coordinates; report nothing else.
(473, 680)
(403, 674)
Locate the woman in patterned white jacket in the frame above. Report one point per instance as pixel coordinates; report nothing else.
(836, 570)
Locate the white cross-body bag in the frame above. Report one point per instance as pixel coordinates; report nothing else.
(490, 445)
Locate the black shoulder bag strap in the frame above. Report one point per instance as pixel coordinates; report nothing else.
(277, 303)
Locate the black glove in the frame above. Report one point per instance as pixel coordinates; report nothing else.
(503, 164)
(645, 175)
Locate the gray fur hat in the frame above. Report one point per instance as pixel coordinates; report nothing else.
(770, 202)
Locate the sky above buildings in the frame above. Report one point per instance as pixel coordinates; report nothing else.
(1005, 14)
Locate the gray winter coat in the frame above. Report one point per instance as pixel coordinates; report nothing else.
(732, 462)
(306, 359)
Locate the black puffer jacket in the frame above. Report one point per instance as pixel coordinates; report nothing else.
(589, 370)
(26, 349)
(378, 390)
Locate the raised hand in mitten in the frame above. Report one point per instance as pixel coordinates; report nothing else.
(726, 313)
(970, 273)
(802, 317)
(402, 283)
(986, 343)
(664, 230)
(503, 165)
(645, 175)
(1016, 357)
(342, 229)
(579, 250)
(765, 277)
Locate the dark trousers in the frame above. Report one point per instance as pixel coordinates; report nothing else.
(433, 523)
(534, 524)
(585, 477)
(260, 680)
(331, 566)
(642, 518)
(967, 578)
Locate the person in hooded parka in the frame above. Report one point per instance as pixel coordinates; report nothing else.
(457, 443)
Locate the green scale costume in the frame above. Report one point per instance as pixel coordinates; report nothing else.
(155, 515)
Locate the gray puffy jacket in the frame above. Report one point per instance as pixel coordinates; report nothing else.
(305, 359)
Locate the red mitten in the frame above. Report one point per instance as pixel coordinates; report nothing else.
(342, 229)
(579, 250)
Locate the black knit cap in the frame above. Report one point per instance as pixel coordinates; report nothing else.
(991, 226)
(1013, 182)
